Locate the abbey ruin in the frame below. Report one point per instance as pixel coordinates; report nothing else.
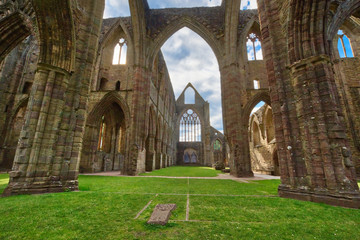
(70, 103)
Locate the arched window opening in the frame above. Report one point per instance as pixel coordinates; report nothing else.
(256, 84)
(196, 65)
(120, 140)
(27, 88)
(344, 45)
(102, 134)
(103, 82)
(190, 96)
(257, 107)
(120, 52)
(248, 4)
(253, 46)
(217, 145)
(117, 86)
(190, 127)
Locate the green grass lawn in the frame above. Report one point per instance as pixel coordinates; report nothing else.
(219, 209)
(184, 171)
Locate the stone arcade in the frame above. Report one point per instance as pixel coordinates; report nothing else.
(69, 104)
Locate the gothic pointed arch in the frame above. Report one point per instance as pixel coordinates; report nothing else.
(252, 26)
(100, 108)
(116, 28)
(261, 96)
(57, 37)
(193, 25)
(13, 30)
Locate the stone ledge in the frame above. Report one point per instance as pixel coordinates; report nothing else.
(340, 201)
(24, 188)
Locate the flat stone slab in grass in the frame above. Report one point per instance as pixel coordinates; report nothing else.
(161, 214)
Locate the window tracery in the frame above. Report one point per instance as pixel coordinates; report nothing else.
(190, 127)
(253, 46)
(120, 52)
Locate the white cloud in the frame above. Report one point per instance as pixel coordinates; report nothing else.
(116, 8)
(248, 4)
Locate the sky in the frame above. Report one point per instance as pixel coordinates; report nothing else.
(188, 61)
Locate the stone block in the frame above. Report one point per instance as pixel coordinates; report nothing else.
(161, 214)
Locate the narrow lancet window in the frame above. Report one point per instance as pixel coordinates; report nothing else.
(344, 45)
(120, 52)
(256, 84)
(190, 96)
(102, 134)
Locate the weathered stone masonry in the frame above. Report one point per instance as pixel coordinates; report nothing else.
(55, 59)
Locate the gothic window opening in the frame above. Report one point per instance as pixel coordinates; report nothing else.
(102, 134)
(190, 127)
(217, 145)
(117, 87)
(256, 84)
(120, 52)
(103, 82)
(120, 140)
(193, 158)
(253, 47)
(344, 45)
(27, 88)
(190, 96)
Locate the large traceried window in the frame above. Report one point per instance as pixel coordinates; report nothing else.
(253, 47)
(120, 52)
(344, 45)
(190, 127)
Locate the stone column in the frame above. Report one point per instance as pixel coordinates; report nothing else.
(150, 154)
(164, 155)
(326, 172)
(158, 154)
(33, 164)
(233, 126)
(139, 120)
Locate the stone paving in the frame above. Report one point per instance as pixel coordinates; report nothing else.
(220, 176)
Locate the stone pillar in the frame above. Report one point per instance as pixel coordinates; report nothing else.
(34, 170)
(48, 155)
(139, 121)
(233, 127)
(325, 172)
(158, 154)
(164, 155)
(150, 154)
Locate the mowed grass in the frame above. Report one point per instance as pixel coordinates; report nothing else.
(184, 171)
(4, 180)
(105, 208)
